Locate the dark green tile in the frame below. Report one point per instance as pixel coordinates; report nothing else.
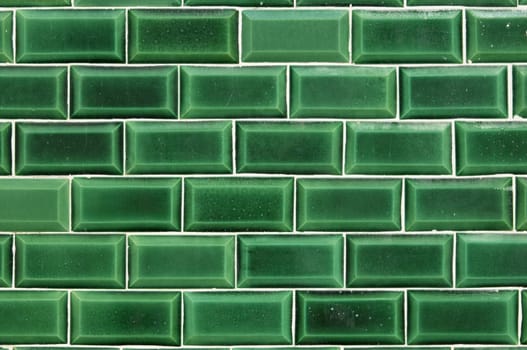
(289, 148)
(33, 92)
(398, 148)
(348, 205)
(453, 92)
(320, 36)
(463, 317)
(237, 318)
(233, 92)
(520, 91)
(23, 3)
(523, 338)
(181, 262)
(521, 203)
(34, 205)
(238, 204)
(183, 36)
(461, 2)
(496, 36)
(5, 148)
(132, 204)
(70, 261)
(507, 254)
(251, 3)
(349, 318)
(128, 3)
(47, 149)
(119, 318)
(491, 148)
(6, 243)
(6, 43)
(459, 204)
(399, 261)
(343, 92)
(33, 317)
(290, 261)
(406, 36)
(397, 3)
(185, 148)
(102, 92)
(75, 36)
(67, 347)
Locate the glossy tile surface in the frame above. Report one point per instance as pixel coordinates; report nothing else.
(521, 204)
(5, 260)
(462, 2)
(8, 3)
(289, 148)
(127, 3)
(520, 90)
(5, 148)
(181, 262)
(6, 26)
(290, 261)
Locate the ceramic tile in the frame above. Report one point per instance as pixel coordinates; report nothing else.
(521, 204)
(248, 3)
(6, 267)
(5, 148)
(6, 26)
(397, 3)
(164, 3)
(520, 90)
(24, 3)
(462, 2)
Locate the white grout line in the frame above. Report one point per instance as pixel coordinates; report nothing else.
(126, 262)
(182, 317)
(68, 326)
(233, 146)
(520, 316)
(182, 209)
(397, 93)
(68, 92)
(70, 203)
(295, 203)
(463, 36)
(288, 91)
(13, 258)
(453, 147)
(510, 92)
(405, 316)
(126, 40)
(345, 260)
(350, 33)
(123, 160)
(454, 258)
(403, 204)
(13, 153)
(514, 203)
(344, 145)
(179, 93)
(236, 257)
(240, 38)
(14, 36)
(293, 318)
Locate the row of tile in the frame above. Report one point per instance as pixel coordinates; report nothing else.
(268, 261)
(261, 92)
(260, 204)
(262, 318)
(197, 36)
(371, 148)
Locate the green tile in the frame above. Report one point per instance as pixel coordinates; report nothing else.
(523, 338)
(251, 3)
(406, 36)
(182, 147)
(496, 36)
(233, 92)
(33, 317)
(349, 318)
(453, 92)
(320, 36)
(183, 36)
(508, 267)
(5, 148)
(181, 262)
(238, 204)
(34, 205)
(399, 261)
(520, 91)
(33, 92)
(463, 317)
(397, 3)
(348, 205)
(459, 204)
(237, 318)
(6, 243)
(60, 148)
(398, 148)
(343, 92)
(289, 148)
(290, 261)
(75, 36)
(491, 148)
(132, 204)
(23, 3)
(128, 3)
(460, 2)
(119, 318)
(6, 43)
(70, 261)
(521, 203)
(102, 92)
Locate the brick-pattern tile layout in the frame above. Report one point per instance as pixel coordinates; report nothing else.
(263, 174)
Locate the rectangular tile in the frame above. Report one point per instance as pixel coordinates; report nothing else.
(103, 92)
(399, 261)
(289, 148)
(119, 318)
(343, 92)
(181, 262)
(478, 317)
(397, 3)
(251, 3)
(68, 148)
(213, 318)
(462, 2)
(454, 92)
(491, 148)
(24, 3)
(5, 148)
(316, 36)
(140, 204)
(406, 36)
(290, 261)
(496, 35)
(33, 92)
(34, 205)
(521, 204)
(238, 204)
(150, 3)
(348, 205)
(31, 317)
(507, 253)
(398, 148)
(179, 148)
(6, 255)
(233, 92)
(70, 261)
(519, 90)
(349, 318)
(459, 204)
(6, 32)
(183, 36)
(75, 36)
